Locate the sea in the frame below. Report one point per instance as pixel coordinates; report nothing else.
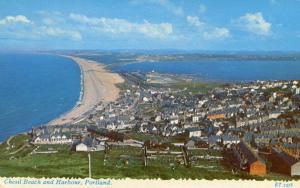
(221, 70)
(34, 89)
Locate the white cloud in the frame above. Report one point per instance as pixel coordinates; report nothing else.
(255, 23)
(217, 33)
(119, 26)
(15, 19)
(154, 30)
(58, 32)
(195, 21)
(109, 25)
(207, 31)
(73, 26)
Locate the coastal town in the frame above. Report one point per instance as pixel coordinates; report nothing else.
(149, 93)
(249, 128)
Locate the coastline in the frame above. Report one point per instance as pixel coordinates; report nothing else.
(61, 116)
(98, 85)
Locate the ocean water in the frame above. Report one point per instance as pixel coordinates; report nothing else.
(228, 71)
(34, 89)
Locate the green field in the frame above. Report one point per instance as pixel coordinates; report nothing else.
(118, 162)
(196, 87)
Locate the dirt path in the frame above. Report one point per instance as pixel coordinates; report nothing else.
(21, 148)
(8, 140)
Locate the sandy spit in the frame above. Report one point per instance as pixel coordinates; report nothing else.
(98, 85)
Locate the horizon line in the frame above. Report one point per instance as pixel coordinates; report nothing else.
(145, 50)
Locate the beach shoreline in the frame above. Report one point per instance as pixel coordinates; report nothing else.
(98, 85)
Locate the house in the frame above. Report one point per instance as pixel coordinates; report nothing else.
(249, 160)
(174, 119)
(284, 163)
(230, 139)
(241, 122)
(274, 114)
(89, 144)
(111, 126)
(154, 130)
(215, 116)
(158, 118)
(194, 132)
(196, 119)
(81, 147)
(146, 99)
(52, 139)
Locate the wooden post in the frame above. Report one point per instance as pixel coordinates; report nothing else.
(145, 155)
(105, 152)
(185, 156)
(90, 168)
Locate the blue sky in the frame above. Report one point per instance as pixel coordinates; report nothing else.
(151, 24)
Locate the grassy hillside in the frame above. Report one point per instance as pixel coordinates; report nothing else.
(18, 159)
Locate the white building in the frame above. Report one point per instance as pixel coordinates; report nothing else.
(82, 147)
(54, 139)
(174, 119)
(194, 132)
(274, 114)
(196, 119)
(157, 118)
